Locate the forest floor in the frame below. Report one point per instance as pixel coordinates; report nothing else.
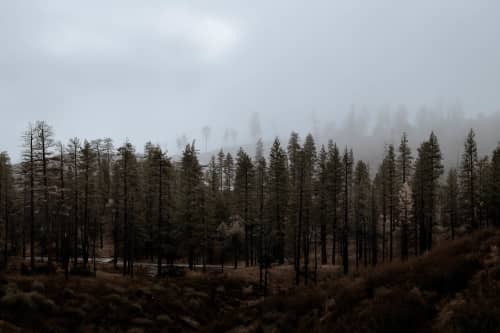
(455, 288)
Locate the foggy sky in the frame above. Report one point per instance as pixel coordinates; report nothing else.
(154, 70)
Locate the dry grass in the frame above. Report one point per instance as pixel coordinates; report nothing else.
(413, 296)
(456, 288)
(113, 303)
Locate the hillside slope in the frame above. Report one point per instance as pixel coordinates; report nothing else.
(455, 288)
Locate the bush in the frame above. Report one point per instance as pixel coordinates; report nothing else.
(122, 306)
(475, 316)
(68, 293)
(74, 314)
(44, 304)
(28, 307)
(18, 303)
(447, 275)
(396, 310)
(495, 272)
(445, 270)
(38, 286)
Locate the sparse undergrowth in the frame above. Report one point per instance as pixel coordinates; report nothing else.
(111, 303)
(455, 288)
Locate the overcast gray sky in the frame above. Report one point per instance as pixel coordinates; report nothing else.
(156, 69)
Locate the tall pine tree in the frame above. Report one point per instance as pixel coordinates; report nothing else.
(469, 182)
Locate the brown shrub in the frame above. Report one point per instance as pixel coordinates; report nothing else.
(475, 316)
(444, 270)
(393, 311)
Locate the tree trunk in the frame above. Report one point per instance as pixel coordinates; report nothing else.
(32, 203)
(160, 214)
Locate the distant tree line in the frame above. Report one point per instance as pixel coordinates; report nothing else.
(304, 204)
